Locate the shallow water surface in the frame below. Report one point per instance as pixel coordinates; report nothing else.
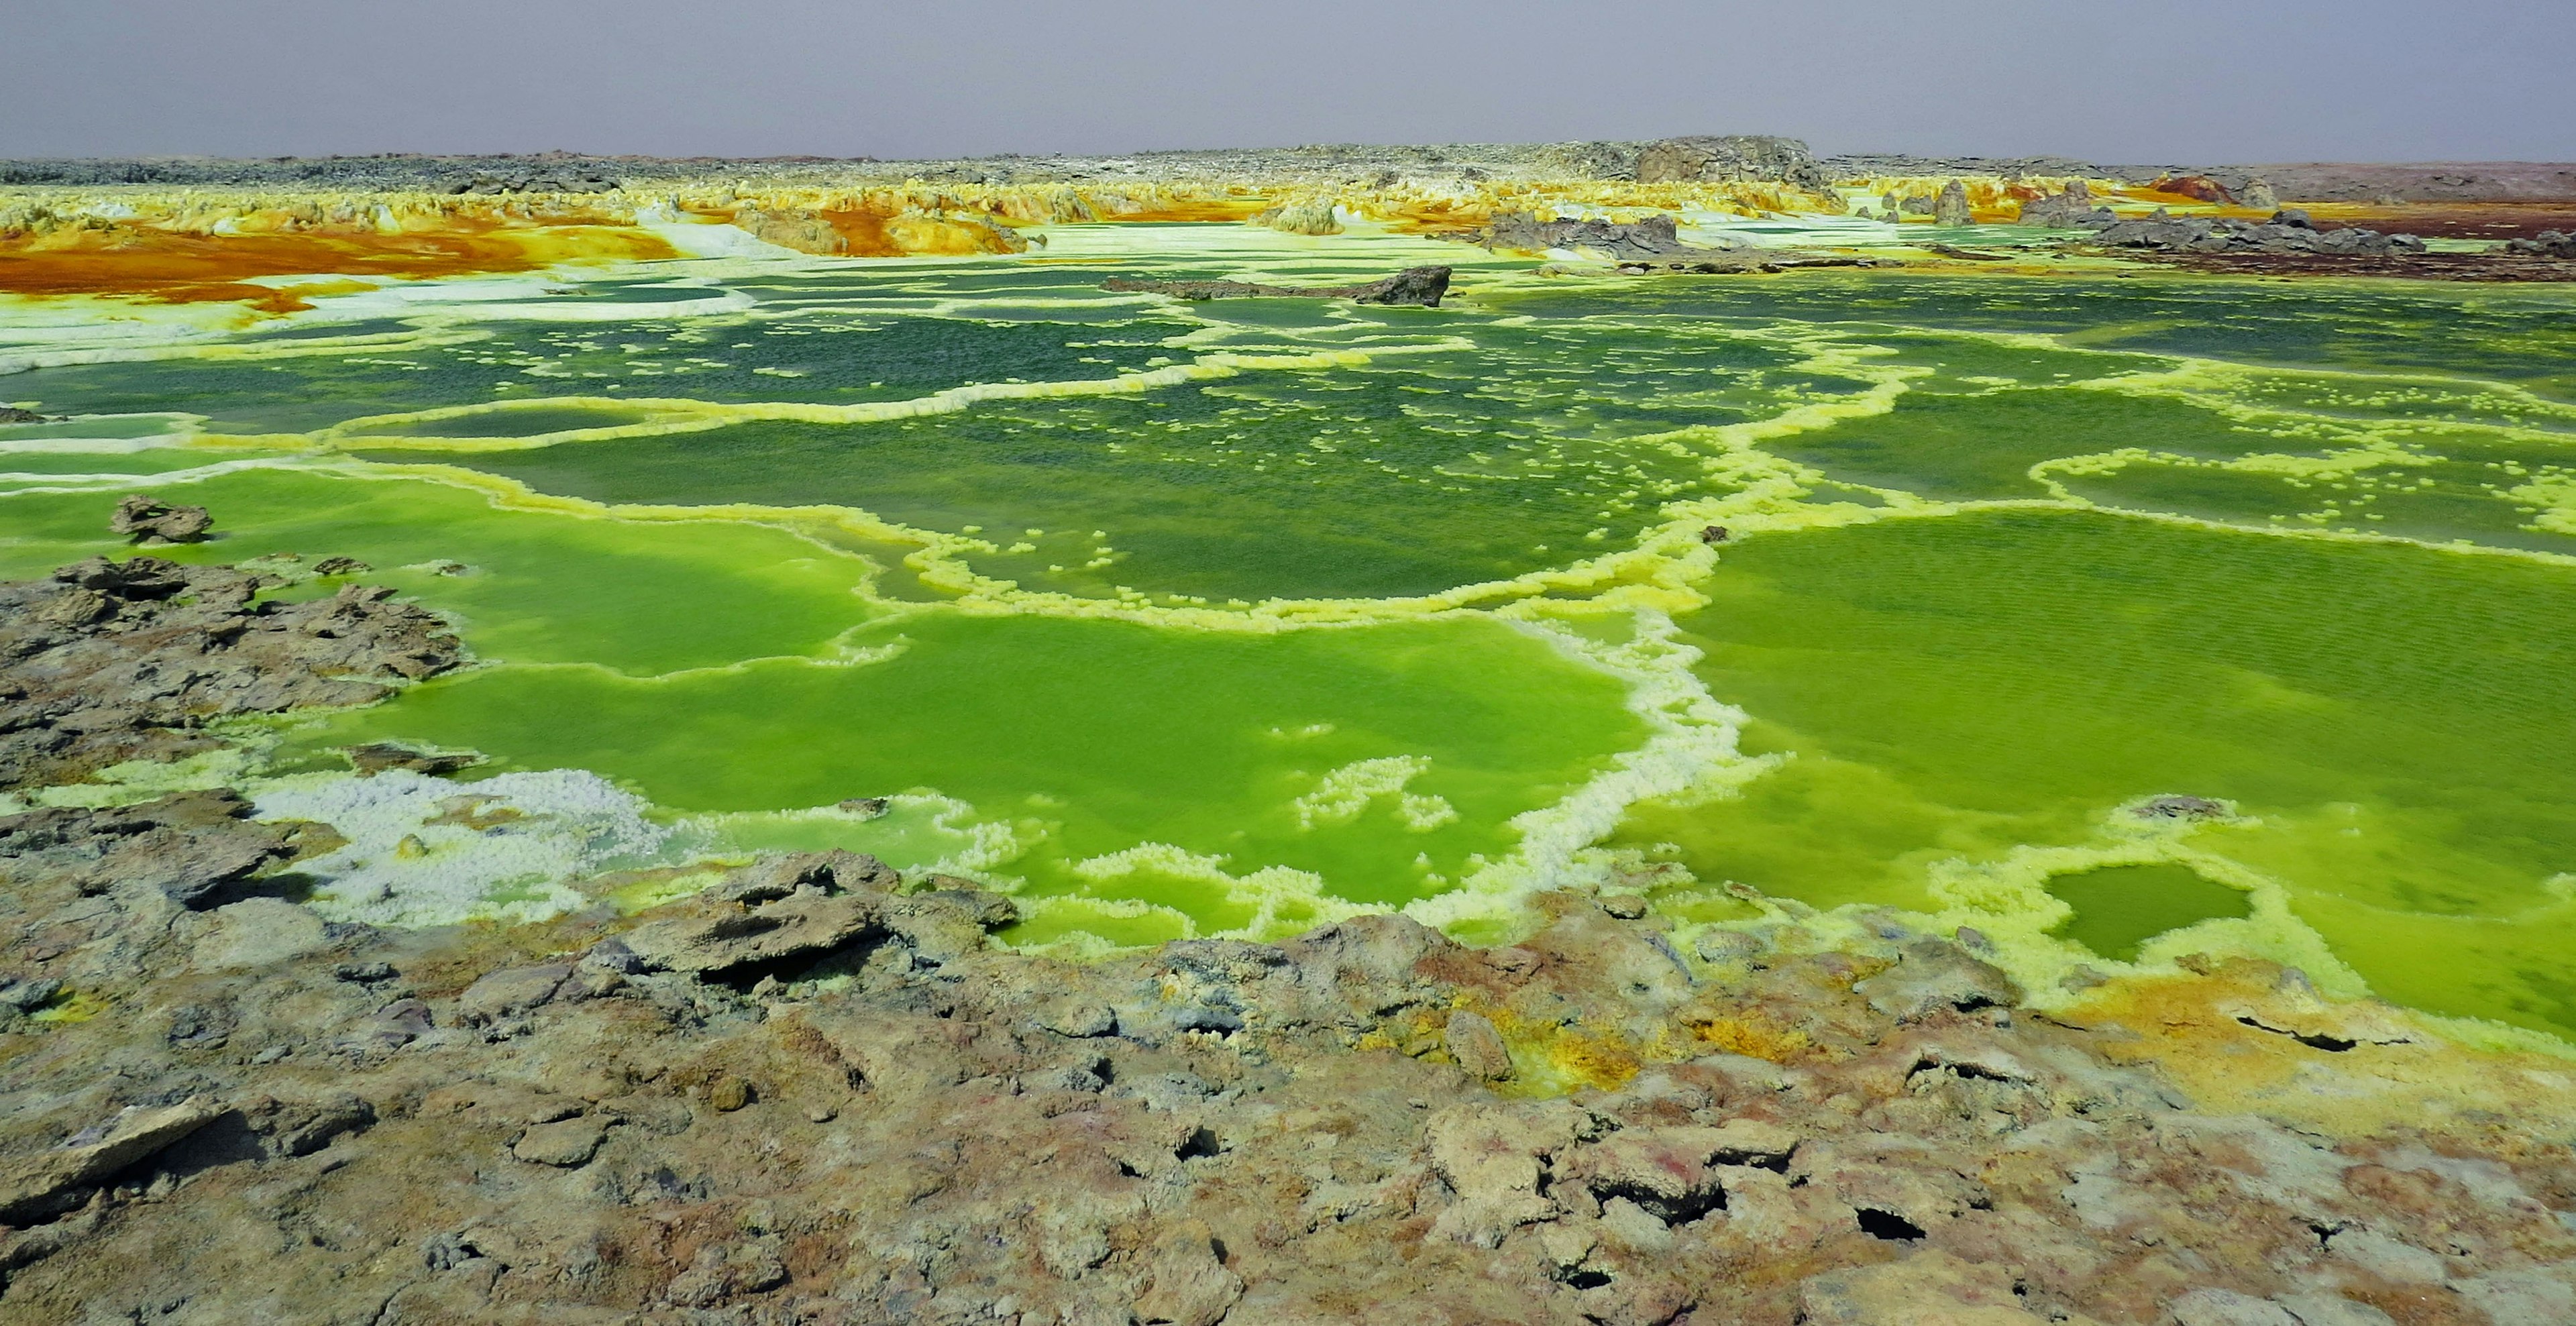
(1228, 618)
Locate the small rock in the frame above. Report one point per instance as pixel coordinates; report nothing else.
(260, 932)
(565, 1144)
(376, 757)
(1625, 906)
(1080, 1020)
(1477, 1046)
(149, 520)
(1933, 975)
(510, 990)
(48, 1181)
(727, 1094)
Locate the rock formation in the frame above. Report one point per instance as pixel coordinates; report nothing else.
(1731, 157)
(2287, 232)
(2546, 244)
(2065, 210)
(150, 520)
(534, 181)
(109, 661)
(1951, 207)
(1306, 216)
(888, 1120)
(1421, 286)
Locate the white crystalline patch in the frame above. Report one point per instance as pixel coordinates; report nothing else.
(1340, 796)
(425, 851)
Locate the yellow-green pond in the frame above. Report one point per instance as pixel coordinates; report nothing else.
(1228, 618)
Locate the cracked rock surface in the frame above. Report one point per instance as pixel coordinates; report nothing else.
(621, 1119)
(108, 661)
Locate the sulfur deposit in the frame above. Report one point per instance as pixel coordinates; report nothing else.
(1653, 732)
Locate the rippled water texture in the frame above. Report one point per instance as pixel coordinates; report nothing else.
(1226, 618)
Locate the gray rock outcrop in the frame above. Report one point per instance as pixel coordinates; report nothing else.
(2546, 244)
(2287, 232)
(150, 520)
(2066, 210)
(1754, 158)
(1951, 207)
(1423, 287)
(108, 661)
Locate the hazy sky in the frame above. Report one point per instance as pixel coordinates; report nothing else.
(2142, 81)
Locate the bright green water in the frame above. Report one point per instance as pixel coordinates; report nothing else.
(1226, 618)
(2119, 908)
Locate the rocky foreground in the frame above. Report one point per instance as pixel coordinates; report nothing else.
(819, 1092)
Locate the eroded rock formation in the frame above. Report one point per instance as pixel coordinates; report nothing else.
(1421, 286)
(1728, 157)
(890, 1120)
(109, 661)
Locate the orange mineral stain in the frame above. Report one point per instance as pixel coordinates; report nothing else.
(171, 266)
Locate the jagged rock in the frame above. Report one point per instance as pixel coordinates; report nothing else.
(11, 414)
(1305, 216)
(1420, 286)
(188, 846)
(805, 232)
(2258, 193)
(533, 182)
(1477, 1047)
(1734, 157)
(2181, 808)
(564, 1144)
(110, 661)
(1496, 1157)
(2200, 188)
(1188, 1286)
(928, 1127)
(1951, 207)
(300, 1128)
(1931, 975)
(48, 1182)
(1648, 237)
(2287, 232)
(1424, 286)
(151, 520)
(340, 566)
(376, 757)
(806, 924)
(2067, 210)
(772, 878)
(2546, 244)
(510, 990)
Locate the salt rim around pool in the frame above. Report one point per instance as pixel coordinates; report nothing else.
(569, 823)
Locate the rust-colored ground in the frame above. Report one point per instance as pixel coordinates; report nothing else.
(171, 267)
(2450, 220)
(1197, 209)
